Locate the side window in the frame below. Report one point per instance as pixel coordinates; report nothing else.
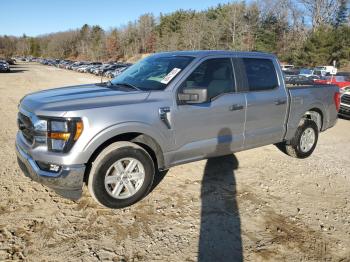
(261, 74)
(214, 74)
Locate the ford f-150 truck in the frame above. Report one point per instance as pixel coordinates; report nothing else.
(168, 109)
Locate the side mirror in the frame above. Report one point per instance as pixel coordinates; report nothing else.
(193, 95)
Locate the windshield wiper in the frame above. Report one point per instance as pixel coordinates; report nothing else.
(127, 85)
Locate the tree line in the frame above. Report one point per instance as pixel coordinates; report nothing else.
(307, 32)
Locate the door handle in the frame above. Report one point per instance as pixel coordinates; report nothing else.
(280, 102)
(236, 107)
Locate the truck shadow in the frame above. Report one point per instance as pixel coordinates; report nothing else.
(220, 228)
(157, 179)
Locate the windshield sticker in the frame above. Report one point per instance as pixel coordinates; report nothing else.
(170, 76)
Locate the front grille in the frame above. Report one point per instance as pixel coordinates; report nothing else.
(25, 125)
(345, 99)
(344, 110)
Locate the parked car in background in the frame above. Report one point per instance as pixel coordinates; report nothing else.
(117, 72)
(302, 80)
(112, 68)
(102, 69)
(345, 102)
(87, 67)
(11, 61)
(74, 65)
(289, 75)
(306, 72)
(64, 63)
(4, 66)
(168, 109)
(328, 69)
(287, 67)
(320, 73)
(345, 98)
(340, 81)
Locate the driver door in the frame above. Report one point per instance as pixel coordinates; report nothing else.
(214, 127)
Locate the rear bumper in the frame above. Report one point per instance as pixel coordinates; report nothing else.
(68, 182)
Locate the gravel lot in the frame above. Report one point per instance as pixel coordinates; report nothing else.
(257, 205)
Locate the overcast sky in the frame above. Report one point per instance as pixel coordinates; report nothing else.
(43, 16)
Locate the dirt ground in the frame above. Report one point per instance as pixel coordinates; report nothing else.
(257, 205)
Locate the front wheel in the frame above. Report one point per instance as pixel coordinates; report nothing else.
(121, 175)
(304, 141)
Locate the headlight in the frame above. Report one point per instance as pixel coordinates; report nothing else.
(40, 129)
(62, 134)
(344, 90)
(40, 125)
(59, 134)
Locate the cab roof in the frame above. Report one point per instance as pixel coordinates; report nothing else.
(204, 53)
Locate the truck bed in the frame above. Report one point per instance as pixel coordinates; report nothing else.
(305, 86)
(307, 97)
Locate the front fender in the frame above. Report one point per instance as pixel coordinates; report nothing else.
(123, 128)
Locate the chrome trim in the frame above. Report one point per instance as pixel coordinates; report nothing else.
(34, 121)
(164, 116)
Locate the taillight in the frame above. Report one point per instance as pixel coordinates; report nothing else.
(337, 100)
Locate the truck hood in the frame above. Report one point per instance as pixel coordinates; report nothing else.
(58, 101)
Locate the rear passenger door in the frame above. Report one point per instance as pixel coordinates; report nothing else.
(267, 101)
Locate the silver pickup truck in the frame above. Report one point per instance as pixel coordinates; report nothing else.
(168, 109)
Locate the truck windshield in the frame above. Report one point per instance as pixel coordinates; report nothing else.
(153, 73)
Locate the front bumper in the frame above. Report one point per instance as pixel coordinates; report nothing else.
(344, 110)
(68, 182)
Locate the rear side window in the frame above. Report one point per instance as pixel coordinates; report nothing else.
(261, 74)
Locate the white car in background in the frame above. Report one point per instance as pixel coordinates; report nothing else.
(306, 72)
(328, 69)
(287, 67)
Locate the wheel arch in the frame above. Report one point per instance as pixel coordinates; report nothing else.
(316, 115)
(315, 112)
(143, 139)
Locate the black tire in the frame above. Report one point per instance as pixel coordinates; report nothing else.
(293, 147)
(105, 160)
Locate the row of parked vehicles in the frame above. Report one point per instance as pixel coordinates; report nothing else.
(321, 75)
(109, 69)
(303, 76)
(317, 75)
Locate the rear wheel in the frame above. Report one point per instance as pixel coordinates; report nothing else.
(121, 175)
(304, 141)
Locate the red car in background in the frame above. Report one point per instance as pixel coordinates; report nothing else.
(340, 81)
(343, 82)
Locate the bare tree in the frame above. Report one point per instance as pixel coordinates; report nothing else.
(321, 11)
(145, 28)
(234, 22)
(193, 31)
(113, 45)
